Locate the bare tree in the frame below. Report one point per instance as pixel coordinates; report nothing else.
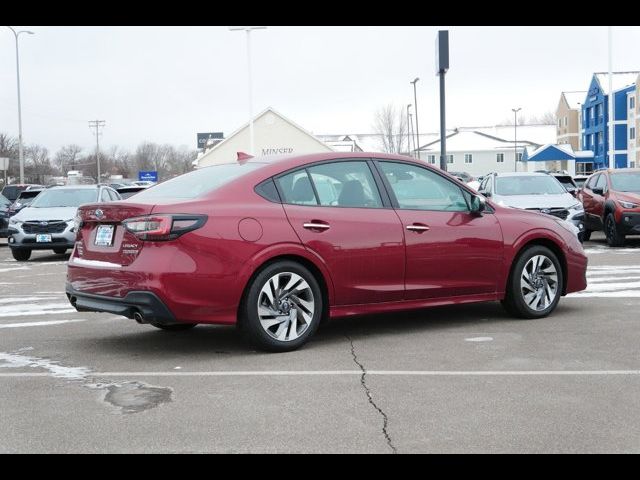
(547, 118)
(67, 157)
(9, 149)
(37, 163)
(390, 123)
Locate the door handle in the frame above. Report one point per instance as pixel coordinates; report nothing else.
(418, 228)
(315, 225)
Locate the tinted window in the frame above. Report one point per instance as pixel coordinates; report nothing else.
(345, 184)
(296, 188)
(528, 185)
(420, 189)
(626, 182)
(198, 182)
(65, 197)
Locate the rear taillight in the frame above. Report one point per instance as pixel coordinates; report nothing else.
(163, 227)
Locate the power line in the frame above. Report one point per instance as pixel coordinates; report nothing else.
(97, 124)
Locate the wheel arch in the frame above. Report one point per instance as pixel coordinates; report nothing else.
(552, 245)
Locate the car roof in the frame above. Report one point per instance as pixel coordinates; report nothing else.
(522, 174)
(74, 187)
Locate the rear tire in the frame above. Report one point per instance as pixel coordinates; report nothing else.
(176, 327)
(21, 254)
(535, 284)
(615, 238)
(282, 308)
(60, 251)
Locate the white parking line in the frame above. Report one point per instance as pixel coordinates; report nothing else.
(299, 373)
(39, 324)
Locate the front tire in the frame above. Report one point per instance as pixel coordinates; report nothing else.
(282, 308)
(535, 284)
(21, 254)
(615, 238)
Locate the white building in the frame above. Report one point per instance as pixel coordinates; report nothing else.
(274, 134)
(481, 150)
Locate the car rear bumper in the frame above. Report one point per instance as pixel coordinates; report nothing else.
(147, 304)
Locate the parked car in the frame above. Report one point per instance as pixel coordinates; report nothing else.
(611, 200)
(127, 191)
(539, 192)
(257, 244)
(24, 200)
(567, 182)
(5, 203)
(579, 180)
(12, 191)
(48, 223)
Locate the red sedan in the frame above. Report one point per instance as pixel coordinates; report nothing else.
(277, 245)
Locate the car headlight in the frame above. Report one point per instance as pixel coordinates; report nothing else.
(577, 206)
(77, 223)
(568, 226)
(14, 222)
(627, 204)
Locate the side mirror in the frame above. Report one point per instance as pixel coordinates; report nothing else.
(478, 204)
(598, 191)
(485, 193)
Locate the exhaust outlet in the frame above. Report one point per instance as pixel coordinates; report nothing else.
(137, 316)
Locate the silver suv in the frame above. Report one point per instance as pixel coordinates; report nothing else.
(48, 223)
(535, 191)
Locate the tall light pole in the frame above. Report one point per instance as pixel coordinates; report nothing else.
(409, 130)
(515, 137)
(248, 30)
(20, 148)
(415, 102)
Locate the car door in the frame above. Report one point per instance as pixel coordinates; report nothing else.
(594, 206)
(338, 212)
(450, 251)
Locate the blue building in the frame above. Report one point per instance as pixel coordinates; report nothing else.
(595, 118)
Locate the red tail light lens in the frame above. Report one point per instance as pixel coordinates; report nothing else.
(163, 227)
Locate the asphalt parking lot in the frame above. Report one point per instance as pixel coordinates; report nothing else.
(444, 380)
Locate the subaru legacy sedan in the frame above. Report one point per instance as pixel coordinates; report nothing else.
(277, 245)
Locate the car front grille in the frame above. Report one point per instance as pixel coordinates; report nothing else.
(51, 226)
(562, 213)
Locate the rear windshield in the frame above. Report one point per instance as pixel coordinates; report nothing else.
(528, 185)
(626, 182)
(198, 182)
(65, 197)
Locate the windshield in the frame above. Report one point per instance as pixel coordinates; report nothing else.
(626, 182)
(198, 182)
(65, 197)
(528, 185)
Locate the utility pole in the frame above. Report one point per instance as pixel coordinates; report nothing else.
(409, 131)
(515, 138)
(442, 66)
(611, 125)
(97, 124)
(415, 102)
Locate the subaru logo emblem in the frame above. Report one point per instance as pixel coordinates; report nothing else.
(99, 213)
(44, 224)
(545, 210)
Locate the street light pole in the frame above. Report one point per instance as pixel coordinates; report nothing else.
(515, 137)
(248, 30)
(20, 147)
(415, 102)
(409, 131)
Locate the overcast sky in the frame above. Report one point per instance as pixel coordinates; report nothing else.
(165, 84)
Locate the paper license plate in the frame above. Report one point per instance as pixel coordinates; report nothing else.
(43, 238)
(104, 235)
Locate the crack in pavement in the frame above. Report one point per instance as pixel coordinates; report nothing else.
(363, 382)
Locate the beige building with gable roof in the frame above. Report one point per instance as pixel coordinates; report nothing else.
(568, 115)
(274, 134)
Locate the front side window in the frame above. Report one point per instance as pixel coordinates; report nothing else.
(602, 182)
(345, 184)
(417, 188)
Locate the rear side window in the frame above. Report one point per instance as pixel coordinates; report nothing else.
(345, 184)
(199, 182)
(296, 188)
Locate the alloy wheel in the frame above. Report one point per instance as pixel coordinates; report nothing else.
(285, 306)
(539, 282)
